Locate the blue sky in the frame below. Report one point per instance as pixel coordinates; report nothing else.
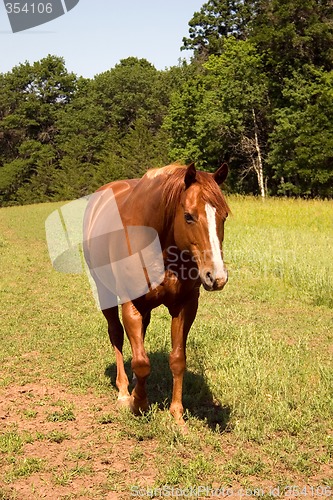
(96, 34)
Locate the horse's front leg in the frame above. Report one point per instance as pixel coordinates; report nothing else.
(181, 324)
(135, 325)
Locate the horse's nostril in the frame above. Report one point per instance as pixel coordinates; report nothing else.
(209, 278)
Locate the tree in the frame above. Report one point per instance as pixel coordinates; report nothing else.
(238, 95)
(140, 149)
(181, 121)
(222, 112)
(291, 40)
(301, 144)
(216, 21)
(131, 91)
(81, 142)
(111, 129)
(294, 33)
(31, 97)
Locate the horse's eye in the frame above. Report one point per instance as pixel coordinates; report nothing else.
(188, 217)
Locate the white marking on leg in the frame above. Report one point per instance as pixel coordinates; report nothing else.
(214, 242)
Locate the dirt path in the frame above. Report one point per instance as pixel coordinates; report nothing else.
(54, 445)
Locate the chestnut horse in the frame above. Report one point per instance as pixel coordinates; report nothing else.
(185, 208)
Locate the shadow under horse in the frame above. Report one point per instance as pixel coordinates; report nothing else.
(198, 398)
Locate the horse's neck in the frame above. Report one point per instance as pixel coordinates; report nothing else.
(144, 207)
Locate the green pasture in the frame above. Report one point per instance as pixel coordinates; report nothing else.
(258, 389)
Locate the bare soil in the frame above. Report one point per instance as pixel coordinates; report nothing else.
(91, 460)
(83, 452)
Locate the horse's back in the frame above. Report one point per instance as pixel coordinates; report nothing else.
(121, 186)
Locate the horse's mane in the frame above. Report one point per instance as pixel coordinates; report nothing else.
(173, 185)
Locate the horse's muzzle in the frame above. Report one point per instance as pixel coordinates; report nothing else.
(212, 283)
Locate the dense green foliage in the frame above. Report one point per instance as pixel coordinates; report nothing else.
(257, 93)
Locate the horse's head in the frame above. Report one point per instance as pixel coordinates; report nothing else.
(199, 224)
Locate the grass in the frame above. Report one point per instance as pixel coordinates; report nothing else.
(258, 389)
(11, 442)
(289, 239)
(25, 467)
(67, 476)
(65, 415)
(53, 436)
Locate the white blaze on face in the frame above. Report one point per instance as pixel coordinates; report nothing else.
(219, 270)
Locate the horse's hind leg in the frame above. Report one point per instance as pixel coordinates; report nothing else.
(135, 325)
(116, 334)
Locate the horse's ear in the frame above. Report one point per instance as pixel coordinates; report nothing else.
(221, 174)
(190, 175)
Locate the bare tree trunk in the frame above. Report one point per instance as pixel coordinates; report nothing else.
(257, 162)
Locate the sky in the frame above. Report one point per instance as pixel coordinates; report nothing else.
(96, 34)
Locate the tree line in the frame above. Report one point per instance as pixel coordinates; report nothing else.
(257, 93)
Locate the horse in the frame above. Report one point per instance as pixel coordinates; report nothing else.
(179, 213)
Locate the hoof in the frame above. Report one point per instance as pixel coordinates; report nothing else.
(124, 402)
(182, 425)
(138, 406)
(177, 414)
